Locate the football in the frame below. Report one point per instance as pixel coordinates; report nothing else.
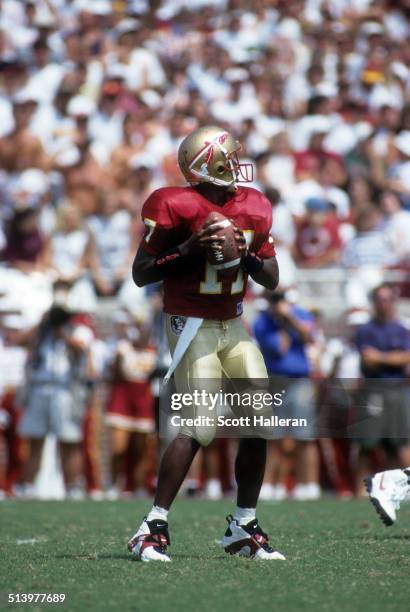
(229, 257)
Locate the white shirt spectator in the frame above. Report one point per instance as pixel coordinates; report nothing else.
(401, 172)
(45, 82)
(247, 107)
(67, 250)
(12, 364)
(208, 82)
(106, 130)
(55, 363)
(397, 232)
(6, 116)
(283, 227)
(339, 198)
(367, 249)
(145, 70)
(112, 239)
(53, 129)
(280, 172)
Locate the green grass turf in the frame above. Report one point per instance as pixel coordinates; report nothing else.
(340, 557)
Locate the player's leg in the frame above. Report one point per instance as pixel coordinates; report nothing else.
(241, 359)
(250, 470)
(150, 542)
(200, 362)
(244, 535)
(175, 464)
(199, 366)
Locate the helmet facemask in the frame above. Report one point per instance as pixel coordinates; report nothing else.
(243, 171)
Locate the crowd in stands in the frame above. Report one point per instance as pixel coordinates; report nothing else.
(95, 97)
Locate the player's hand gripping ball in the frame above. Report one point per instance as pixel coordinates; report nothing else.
(224, 242)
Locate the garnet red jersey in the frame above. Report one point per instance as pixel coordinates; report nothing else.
(197, 289)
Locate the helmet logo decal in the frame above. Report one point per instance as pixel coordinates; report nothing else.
(209, 155)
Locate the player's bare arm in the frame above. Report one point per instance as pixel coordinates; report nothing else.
(265, 272)
(148, 268)
(268, 276)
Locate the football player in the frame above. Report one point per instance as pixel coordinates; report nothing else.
(386, 491)
(204, 328)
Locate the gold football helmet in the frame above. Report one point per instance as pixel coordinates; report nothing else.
(210, 155)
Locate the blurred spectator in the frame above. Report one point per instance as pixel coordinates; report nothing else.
(13, 355)
(83, 171)
(399, 172)
(279, 171)
(283, 227)
(142, 181)
(130, 409)
(369, 247)
(240, 103)
(340, 370)
(283, 332)
(32, 189)
(283, 231)
(66, 251)
(24, 242)
(318, 241)
(361, 193)
(105, 124)
(396, 225)
(56, 396)
(131, 144)
(382, 402)
(112, 246)
(20, 149)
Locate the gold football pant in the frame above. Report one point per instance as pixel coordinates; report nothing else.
(219, 349)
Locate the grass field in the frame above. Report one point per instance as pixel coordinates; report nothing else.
(340, 557)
